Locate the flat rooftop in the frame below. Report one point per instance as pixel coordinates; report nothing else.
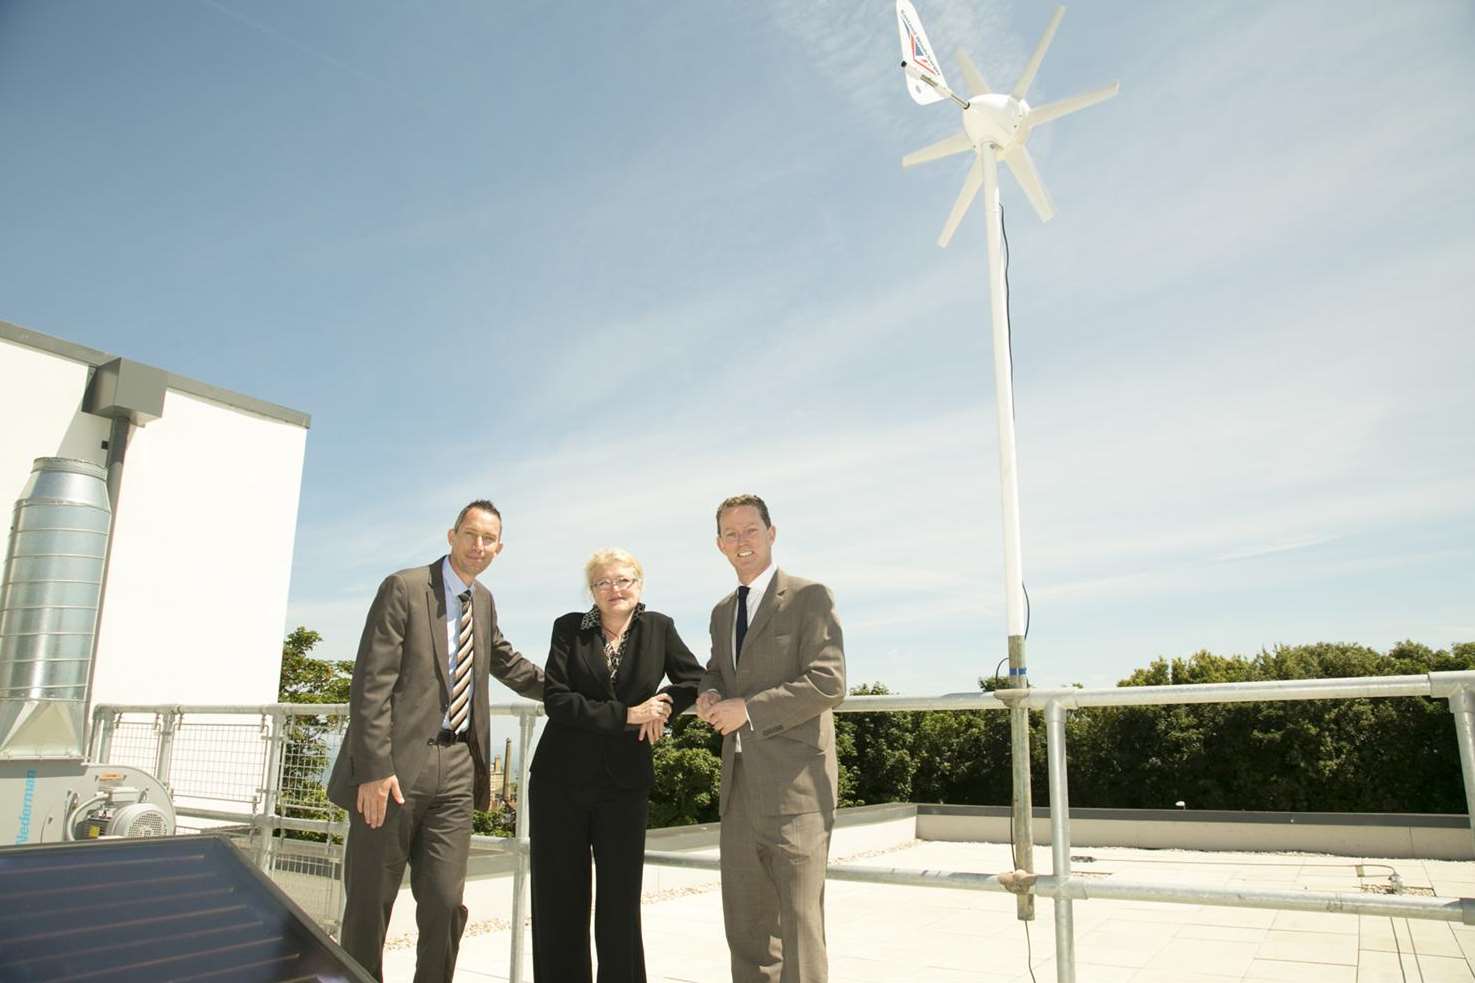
(880, 932)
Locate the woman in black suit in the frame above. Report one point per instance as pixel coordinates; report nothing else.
(591, 776)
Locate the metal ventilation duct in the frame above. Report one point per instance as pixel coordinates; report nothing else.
(48, 608)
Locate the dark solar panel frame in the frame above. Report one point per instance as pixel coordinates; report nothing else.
(156, 909)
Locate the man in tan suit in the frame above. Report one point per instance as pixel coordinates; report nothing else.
(414, 760)
(777, 670)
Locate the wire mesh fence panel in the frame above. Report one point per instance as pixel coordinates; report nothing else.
(135, 743)
(307, 863)
(311, 875)
(215, 759)
(310, 744)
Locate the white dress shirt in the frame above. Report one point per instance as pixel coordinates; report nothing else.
(756, 591)
(454, 589)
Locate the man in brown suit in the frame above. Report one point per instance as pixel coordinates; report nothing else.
(414, 760)
(777, 670)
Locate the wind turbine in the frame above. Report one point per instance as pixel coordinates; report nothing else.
(997, 126)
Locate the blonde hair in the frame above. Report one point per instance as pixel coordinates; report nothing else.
(608, 558)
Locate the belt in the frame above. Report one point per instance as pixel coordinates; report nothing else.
(446, 738)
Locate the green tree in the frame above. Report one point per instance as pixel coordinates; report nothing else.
(688, 770)
(307, 679)
(876, 751)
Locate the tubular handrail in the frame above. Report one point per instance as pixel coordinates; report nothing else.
(1458, 688)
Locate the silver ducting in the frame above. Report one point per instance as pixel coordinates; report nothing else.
(48, 608)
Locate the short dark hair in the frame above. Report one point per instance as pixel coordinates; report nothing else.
(481, 503)
(738, 501)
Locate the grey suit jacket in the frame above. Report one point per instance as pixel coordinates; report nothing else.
(792, 673)
(400, 687)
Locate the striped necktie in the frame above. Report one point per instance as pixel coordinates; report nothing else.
(460, 711)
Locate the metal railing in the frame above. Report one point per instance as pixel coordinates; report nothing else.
(273, 803)
(255, 774)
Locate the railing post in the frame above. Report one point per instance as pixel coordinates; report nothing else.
(1463, 707)
(168, 722)
(102, 735)
(520, 872)
(273, 726)
(1065, 943)
(1021, 823)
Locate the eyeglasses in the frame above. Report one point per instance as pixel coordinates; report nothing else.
(619, 583)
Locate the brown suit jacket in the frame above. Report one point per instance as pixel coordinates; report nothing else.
(791, 674)
(400, 689)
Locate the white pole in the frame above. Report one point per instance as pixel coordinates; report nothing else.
(1023, 811)
(998, 299)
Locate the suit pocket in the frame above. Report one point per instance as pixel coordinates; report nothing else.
(809, 734)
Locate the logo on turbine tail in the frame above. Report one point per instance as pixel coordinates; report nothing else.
(921, 57)
(924, 71)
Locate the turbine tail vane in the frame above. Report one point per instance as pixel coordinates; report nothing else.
(1027, 77)
(918, 59)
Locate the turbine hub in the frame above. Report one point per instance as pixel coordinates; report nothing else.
(996, 119)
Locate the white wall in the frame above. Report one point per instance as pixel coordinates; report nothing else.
(41, 416)
(202, 558)
(196, 599)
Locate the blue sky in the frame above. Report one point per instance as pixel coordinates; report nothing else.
(608, 263)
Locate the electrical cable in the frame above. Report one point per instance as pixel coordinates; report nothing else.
(1398, 947)
(1009, 334)
(1013, 415)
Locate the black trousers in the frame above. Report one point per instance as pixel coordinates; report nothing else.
(566, 825)
(432, 832)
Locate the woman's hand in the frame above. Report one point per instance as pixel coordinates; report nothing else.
(653, 731)
(654, 710)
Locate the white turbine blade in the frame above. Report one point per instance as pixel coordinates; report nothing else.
(1022, 166)
(965, 198)
(955, 144)
(1055, 110)
(1027, 77)
(972, 77)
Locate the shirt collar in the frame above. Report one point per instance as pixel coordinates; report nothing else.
(592, 620)
(454, 584)
(760, 582)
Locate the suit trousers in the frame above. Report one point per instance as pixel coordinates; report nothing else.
(567, 823)
(432, 832)
(773, 889)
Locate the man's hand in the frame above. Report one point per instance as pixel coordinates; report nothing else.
(654, 710)
(728, 715)
(374, 799)
(706, 702)
(652, 731)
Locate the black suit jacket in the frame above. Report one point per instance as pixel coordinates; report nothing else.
(587, 737)
(400, 689)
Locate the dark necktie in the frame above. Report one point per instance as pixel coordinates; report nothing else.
(742, 623)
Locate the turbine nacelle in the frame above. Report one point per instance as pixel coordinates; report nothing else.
(996, 125)
(995, 120)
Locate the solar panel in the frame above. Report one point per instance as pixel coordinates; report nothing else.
(168, 908)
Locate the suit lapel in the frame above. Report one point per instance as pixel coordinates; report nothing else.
(591, 650)
(435, 604)
(727, 611)
(481, 655)
(772, 598)
(481, 632)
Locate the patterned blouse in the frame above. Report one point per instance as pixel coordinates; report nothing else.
(612, 653)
